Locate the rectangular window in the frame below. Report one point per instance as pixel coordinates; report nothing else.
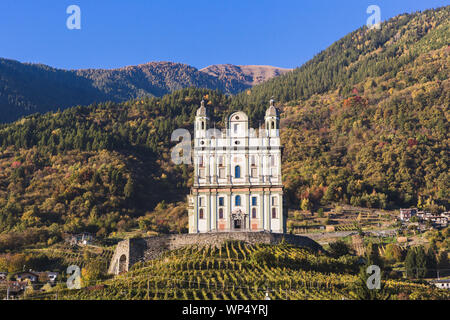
(253, 213)
(236, 128)
(274, 201)
(201, 173)
(200, 161)
(200, 202)
(254, 201)
(274, 213)
(222, 173)
(254, 172)
(221, 201)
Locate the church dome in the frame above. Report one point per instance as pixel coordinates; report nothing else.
(201, 112)
(272, 111)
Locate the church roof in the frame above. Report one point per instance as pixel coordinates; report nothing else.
(272, 111)
(201, 112)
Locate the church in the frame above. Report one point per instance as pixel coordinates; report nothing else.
(237, 175)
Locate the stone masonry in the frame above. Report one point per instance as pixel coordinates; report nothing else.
(130, 251)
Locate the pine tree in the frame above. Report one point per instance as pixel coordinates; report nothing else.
(431, 263)
(373, 256)
(410, 263)
(421, 262)
(129, 188)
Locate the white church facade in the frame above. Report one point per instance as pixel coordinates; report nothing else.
(237, 175)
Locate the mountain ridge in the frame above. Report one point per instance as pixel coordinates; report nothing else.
(27, 88)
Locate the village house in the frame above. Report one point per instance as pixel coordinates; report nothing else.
(407, 214)
(14, 288)
(84, 238)
(441, 283)
(52, 276)
(437, 221)
(27, 275)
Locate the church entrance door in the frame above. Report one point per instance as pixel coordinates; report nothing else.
(238, 219)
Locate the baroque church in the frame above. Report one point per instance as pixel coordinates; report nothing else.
(237, 175)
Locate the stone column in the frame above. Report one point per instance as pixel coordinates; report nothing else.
(214, 211)
(227, 159)
(195, 167)
(280, 211)
(229, 209)
(266, 168)
(267, 195)
(208, 211)
(261, 166)
(247, 181)
(279, 165)
(195, 212)
(207, 167)
(247, 209)
(214, 165)
(261, 206)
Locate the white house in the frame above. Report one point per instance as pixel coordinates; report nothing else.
(441, 283)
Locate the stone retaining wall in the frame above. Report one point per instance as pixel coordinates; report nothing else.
(144, 249)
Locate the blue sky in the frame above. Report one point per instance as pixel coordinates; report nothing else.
(197, 32)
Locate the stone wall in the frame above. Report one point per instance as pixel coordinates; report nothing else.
(145, 249)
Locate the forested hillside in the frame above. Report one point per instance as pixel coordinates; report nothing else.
(239, 78)
(29, 88)
(358, 57)
(96, 168)
(365, 122)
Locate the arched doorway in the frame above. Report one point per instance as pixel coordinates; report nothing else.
(238, 220)
(123, 264)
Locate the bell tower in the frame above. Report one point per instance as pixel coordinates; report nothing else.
(272, 120)
(201, 121)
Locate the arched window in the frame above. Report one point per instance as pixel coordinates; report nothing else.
(201, 215)
(274, 213)
(254, 213)
(273, 124)
(220, 213)
(237, 172)
(237, 201)
(203, 125)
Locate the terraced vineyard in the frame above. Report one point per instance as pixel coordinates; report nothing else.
(346, 227)
(69, 255)
(235, 271)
